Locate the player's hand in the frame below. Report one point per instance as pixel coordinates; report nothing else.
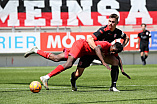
(137, 46)
(107, 66)
(126, 75)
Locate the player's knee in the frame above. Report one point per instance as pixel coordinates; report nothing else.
(56, 58)
(78, 74)
(69, 65)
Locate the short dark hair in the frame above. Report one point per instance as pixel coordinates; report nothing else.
(114, 16)
(143, 24)
(118, 46)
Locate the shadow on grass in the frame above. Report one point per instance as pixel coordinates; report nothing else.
(112, 101)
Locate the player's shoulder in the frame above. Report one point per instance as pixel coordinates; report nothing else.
(141, 31)
(147, 31)
(118, 30)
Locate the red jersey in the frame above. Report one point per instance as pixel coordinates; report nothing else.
(81, 48)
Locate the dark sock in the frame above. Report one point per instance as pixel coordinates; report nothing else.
(73, 77)
(114, 75)
(145, 57)
(142, 58)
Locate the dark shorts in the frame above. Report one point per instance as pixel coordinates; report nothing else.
(86, 60)
(144, 48)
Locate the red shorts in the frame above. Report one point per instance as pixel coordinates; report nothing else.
(77, 50)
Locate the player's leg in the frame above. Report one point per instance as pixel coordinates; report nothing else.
(146, 53)
(142, 49)
(112, 60)
(74, 76)
(84, 62)
(57, 70)
(142, 56)
(60, 57)
(75, 52)
(57, 58)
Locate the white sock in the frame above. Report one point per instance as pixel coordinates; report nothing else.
(47, 77)
(35, 50)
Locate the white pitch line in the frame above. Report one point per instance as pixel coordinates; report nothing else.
(13, 68)
(136, 85)
(13, 88)
(89, 86)
(28, 88)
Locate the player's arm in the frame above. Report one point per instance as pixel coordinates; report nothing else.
(137, 42)
(126, 40)
(93, 37)
(121, 67)
(99, 53)
(91, 42)
(150, 41)
(120, 64)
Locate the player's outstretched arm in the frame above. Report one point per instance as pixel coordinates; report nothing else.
(126, 40)
(137, 43)
(120, 64)
(91, 42)
(150, 42)
(98, 52)
(121, 67)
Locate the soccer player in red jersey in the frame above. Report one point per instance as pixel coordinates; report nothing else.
(145, 38)
(106, 33)
(78, 49)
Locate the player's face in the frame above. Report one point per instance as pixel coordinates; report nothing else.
(113, 49)
(112, 22)
(143, 27)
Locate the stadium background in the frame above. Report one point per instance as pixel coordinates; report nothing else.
(54, 24)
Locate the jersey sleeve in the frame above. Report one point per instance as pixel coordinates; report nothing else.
(121, 34)
(138, 35)
(149, 33)
(96, 35)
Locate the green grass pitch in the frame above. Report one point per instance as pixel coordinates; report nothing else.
(92, 86)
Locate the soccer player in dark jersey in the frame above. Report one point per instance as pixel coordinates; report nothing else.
(145, 38)
(107, 33)
(78, 49)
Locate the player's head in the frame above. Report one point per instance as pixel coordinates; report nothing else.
(143, 25)
(116, 48)
(113, 21)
